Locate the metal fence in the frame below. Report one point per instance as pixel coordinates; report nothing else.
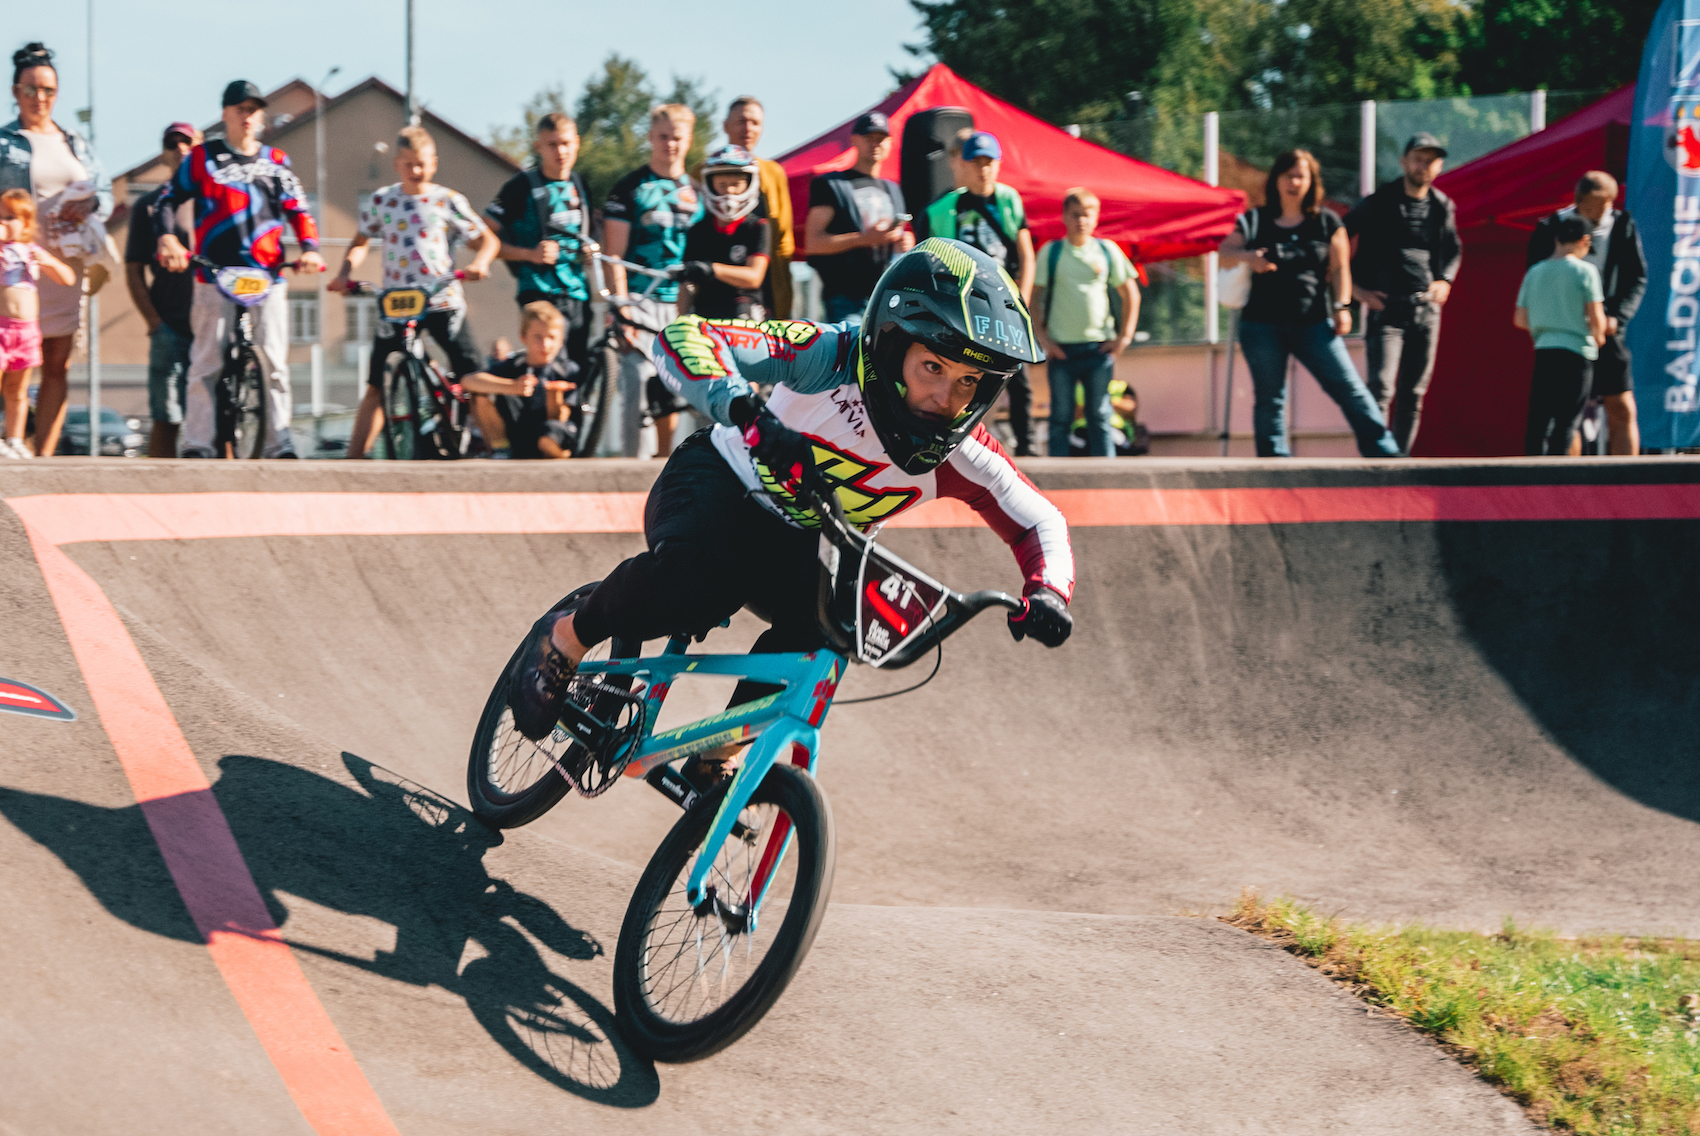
(1174, 306)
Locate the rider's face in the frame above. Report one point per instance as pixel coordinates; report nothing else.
(556, 152)
(542, 342)
(415, 167)
(938, 388)
(668, 141)
(245, 122)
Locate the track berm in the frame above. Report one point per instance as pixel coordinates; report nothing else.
(1426, 691)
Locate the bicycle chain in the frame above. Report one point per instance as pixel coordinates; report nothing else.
(593, 774)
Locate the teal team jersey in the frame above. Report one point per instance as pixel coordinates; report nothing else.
(661, 211)
(530, 210)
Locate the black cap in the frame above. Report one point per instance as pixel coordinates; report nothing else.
(871, 123)
(1423, 140)
(239, 92)
(1571, 228)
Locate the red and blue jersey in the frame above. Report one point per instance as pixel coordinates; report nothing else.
(241, 204)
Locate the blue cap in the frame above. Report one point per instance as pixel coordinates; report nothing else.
(981, 144)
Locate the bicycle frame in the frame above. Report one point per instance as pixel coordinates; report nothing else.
(788, 721)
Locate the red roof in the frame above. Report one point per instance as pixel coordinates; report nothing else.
(1162, 215)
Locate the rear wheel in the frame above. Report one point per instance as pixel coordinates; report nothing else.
(245, 410)
(400, 408)
(510, 779)
(596, 396)
(689, 980)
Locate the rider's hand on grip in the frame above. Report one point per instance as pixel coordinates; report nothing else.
(696, 272)
(1046, 619)
(780, 448)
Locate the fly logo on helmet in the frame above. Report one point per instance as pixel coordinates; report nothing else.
(961, 305)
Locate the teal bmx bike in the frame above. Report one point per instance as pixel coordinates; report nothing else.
(730, 902)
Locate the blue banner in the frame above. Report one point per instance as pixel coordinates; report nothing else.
(1664, 196)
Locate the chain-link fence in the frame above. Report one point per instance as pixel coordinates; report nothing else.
(1173, 307)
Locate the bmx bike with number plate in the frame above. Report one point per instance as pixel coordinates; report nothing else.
(730, 902)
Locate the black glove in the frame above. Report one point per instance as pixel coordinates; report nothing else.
(696, 272)
(1046, 619)
(777, 446)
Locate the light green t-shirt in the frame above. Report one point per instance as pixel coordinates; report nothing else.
(1080, 305)
(1556, 292)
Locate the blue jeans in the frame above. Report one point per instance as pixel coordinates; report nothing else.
(840, 308)
(168, 374)
(1267, 348)
(1087, 365)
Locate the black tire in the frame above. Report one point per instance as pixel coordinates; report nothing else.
(243, 417)
(442, 417)
(658, 908)
(399, 408)
(596, 396)
(510, 780)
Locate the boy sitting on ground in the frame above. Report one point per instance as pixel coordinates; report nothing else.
(528, 417)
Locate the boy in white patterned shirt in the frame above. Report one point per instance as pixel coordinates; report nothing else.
(419, 223)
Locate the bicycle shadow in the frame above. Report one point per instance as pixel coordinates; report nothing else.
(397, 853)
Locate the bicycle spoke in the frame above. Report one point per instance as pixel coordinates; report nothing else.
(693, 962)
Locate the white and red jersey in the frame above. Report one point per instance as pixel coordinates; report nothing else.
(812, 370)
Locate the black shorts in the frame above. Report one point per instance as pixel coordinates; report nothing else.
(662, 401)
(1612, 372)
(712, 551)
(447, 327)
(577, 315)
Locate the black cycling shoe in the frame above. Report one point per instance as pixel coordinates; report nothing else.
(540, 679)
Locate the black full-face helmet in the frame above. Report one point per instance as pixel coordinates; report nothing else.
(960, 304)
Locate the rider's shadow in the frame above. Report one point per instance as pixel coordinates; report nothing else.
(397, 853)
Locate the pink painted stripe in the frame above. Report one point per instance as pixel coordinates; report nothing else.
(201, 853)
(67, 518)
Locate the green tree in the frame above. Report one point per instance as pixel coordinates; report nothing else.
(612, 113)
(1063, 60)
(1521, 45)
(1317, 52)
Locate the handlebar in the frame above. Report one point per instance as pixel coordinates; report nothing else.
(200, 261)
(859, 580)
(367, 288)
(599, 282)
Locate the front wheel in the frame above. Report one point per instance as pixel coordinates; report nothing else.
(242, 417)
(689, 980)
(596, 397)
(400, 408)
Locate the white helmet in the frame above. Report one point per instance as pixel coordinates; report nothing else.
(729, 207)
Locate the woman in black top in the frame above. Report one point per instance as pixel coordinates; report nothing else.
(1301, 289)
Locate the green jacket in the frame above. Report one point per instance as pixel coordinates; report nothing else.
(1007, 212)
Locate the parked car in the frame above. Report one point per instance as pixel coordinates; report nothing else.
(120, 437)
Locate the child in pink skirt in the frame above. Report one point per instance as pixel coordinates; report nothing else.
(22, 262)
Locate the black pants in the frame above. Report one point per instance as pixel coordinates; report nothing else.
(577, 315)
(712, 551)
(447, 326)
(1399, 346)
(1556, 398)
(1021, 411)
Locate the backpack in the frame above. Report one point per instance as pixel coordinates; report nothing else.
(1051, 278)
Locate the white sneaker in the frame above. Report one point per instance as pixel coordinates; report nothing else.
(15, 448)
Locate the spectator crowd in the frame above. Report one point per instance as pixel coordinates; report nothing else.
(723, 235)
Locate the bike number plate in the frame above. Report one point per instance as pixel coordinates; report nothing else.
(245, 285)
(896, 602)
(402, 303)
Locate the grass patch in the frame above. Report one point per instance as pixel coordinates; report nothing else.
(1599, 1036)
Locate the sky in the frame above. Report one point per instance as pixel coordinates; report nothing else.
(163, 60)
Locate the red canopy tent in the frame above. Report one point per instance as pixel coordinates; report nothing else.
(1479, 400)
(1161, 215)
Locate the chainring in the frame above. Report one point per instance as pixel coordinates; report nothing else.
(593, 774)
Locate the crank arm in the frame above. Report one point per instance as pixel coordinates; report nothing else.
(670, 783)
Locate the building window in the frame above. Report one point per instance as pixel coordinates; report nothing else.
(304, 318)
(361, 315)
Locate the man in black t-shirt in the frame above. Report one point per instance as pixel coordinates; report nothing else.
(163, 302)
(856, 222)
(728, 251)
(1405, 257)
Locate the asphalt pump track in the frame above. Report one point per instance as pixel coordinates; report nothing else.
(242, 887)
